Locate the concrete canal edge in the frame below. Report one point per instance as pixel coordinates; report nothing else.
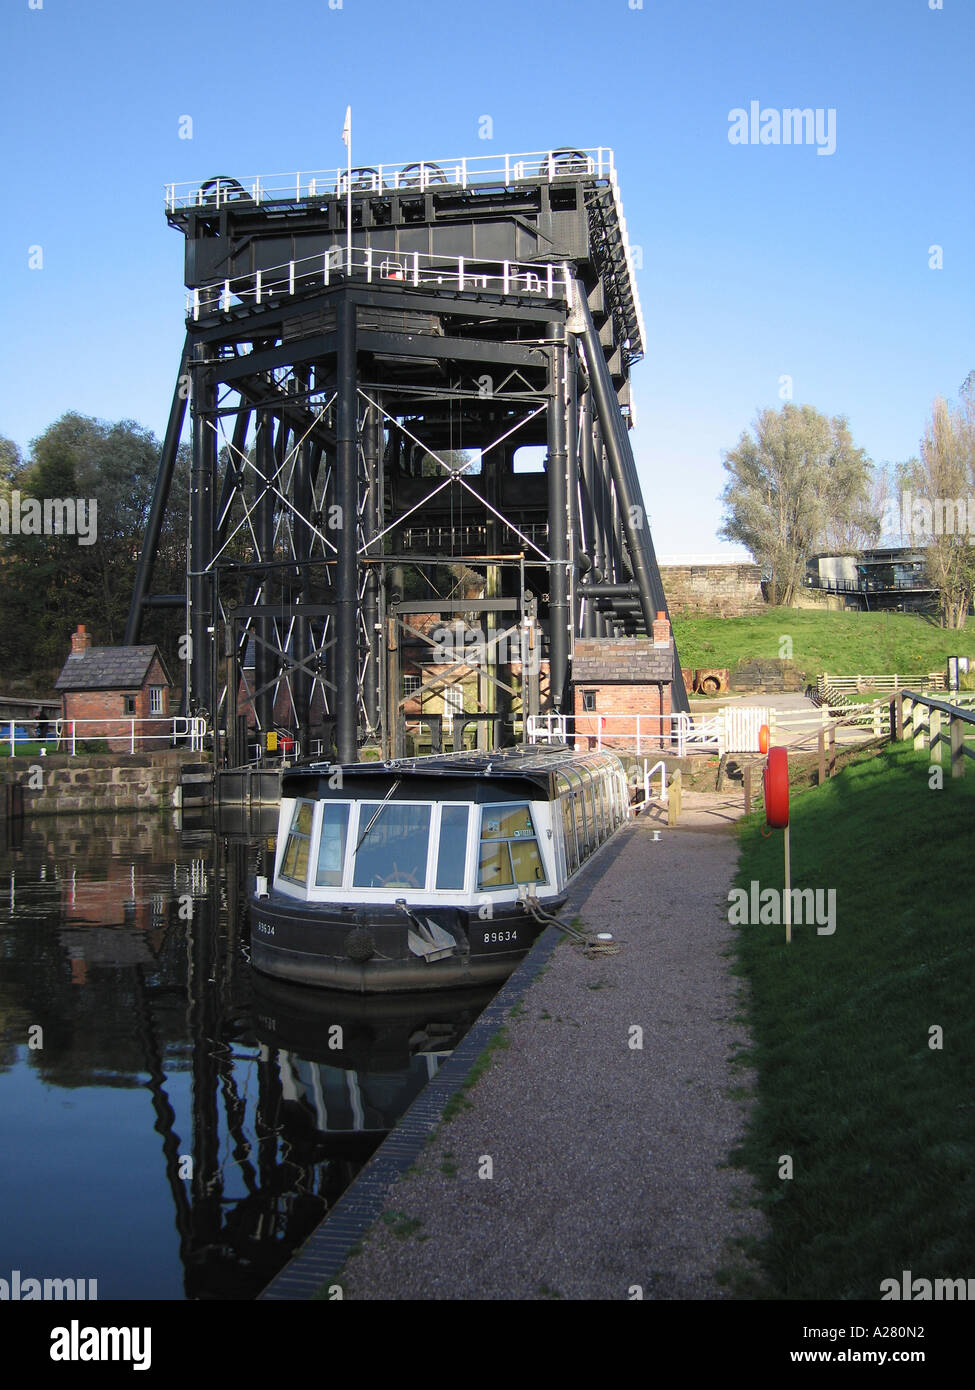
(320, 1260)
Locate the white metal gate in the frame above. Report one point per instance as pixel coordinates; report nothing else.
(741, 724)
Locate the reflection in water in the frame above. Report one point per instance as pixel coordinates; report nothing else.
(150, 1080)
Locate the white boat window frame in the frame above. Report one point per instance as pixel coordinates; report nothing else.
(537, 838)
(288, 884)
(377, 804)
(311, 891)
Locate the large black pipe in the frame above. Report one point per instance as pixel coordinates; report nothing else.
(627, 488)
(372, 467)
(160, 497)
(558, 605)
(572, 482)
(347, 593)
(602, 562)
(611, 590)
(301, 498)
(587, 511)
(202, 483)
(265, 667)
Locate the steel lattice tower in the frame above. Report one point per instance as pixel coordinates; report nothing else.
(357, 405)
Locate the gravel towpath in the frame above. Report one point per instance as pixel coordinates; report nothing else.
(606, 1158)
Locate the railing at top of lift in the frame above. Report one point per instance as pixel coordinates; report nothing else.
(461, 273)
(418, 176)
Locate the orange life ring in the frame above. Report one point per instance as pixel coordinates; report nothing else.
(776, 786)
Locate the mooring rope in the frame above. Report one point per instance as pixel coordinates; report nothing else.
(588, 943)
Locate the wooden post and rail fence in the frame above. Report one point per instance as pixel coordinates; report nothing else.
(933, 725)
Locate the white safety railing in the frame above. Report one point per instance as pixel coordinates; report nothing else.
(461, 273)
(401, 176)
(121, 731)
(635, 733)
(701, 735)
(730, 730)
(659, 769)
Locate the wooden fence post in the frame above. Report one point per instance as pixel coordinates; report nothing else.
(673, 802)
(934, 725)
(919, 723)
(897, 717)
(956, 734)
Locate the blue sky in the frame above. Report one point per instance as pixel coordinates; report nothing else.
(759, 261)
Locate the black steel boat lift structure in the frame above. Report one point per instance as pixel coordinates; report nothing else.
(358, 399)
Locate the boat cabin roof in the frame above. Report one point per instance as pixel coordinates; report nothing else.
(525, 770)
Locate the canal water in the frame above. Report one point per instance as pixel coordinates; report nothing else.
(173, 1125)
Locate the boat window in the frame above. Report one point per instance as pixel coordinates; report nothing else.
(568, 826)
(452, 850)
(393, 853)
(494, 866)
(509, 850)
(294, 863)
(331, 849)
(591, 816)
(602, 811)
(579, 813)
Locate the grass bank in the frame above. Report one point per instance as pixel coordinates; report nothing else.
(879, 1124)
(845, 644)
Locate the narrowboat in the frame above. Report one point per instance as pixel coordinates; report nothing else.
(425, 873)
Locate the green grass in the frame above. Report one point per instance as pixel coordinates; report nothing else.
(880, 1127)
(402, 1225)
(459, 1101)
(844, 644)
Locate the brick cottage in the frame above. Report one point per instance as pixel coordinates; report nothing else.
(117, 684)
(623, 688)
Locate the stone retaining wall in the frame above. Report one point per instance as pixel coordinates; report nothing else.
(96, 782)
(774, 676)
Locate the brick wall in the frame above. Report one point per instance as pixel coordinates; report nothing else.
(723, 591)
(622, 703)
(81, 705)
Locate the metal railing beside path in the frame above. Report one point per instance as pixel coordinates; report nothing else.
(122, 734)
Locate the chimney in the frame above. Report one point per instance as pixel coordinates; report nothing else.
(661, 630)
(80, 641)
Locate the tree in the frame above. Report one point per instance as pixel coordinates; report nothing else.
(796, 485)
(937, 504)
(49, 583)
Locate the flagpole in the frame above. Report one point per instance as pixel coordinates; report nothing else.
(347, 137)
